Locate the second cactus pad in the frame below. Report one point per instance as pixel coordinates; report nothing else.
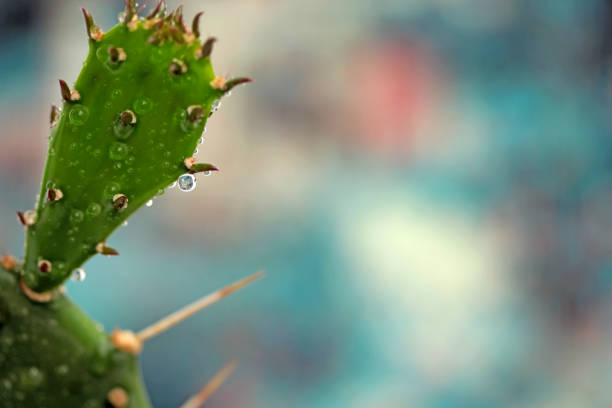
(127, 130)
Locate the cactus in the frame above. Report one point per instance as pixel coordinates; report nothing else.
(126, 131)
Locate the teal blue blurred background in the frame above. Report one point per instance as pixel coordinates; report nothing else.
(428, 185)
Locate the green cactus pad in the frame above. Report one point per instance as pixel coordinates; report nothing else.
(136, 112)
(53, 355)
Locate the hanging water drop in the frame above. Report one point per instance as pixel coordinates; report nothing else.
(149, 203)
(195, 151)
(125, 223)
(201, 140)
(78, 275)
(186, 182)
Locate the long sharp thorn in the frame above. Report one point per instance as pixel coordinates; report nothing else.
(155, 11)
(218, 379)
(93, 31)
(201, 168)
(189, 310)
(178, 18)
(195, 25)
(234, 82)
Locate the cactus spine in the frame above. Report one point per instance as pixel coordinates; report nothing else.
(126, 131)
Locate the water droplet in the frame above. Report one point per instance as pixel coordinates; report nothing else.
(172, 185)
(93, 209)
(125, 223)
(201, 140)
(111, 189)
(62, 369)
(116, 93)
(118, 151)
(215, 105)
(186, 182)
(143, 105)
(130, 160)
(78, 275)
(207, 173)
(122, 131)
(118, 165)
(149, 203)
(31, 377)
(78, 115)
(76, 216)
(195, 151)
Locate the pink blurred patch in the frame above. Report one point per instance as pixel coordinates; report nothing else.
(394, 95)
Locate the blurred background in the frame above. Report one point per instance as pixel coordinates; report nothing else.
(428, 184)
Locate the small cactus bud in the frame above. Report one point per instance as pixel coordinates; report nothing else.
(120, 202)
(177, 67)
(190, 161)
(116, 55)
(195, 113)
(126, 340)
(54, 116)
(54, 194)
(9, 262)
(118, 397)
(44, 266)
(218, 82)
(127, 117)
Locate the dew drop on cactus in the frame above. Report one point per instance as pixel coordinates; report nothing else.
(143, 105)
(76, 216)
(118, 151)
(93, 210)
(149, 203)
(78, 275)
(78, 115)
(186, 182)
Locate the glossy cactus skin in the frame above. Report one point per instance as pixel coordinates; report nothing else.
(140, 106)
(127, 130)
(53, 355)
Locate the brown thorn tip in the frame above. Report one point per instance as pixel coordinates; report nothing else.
(189, 310)
(206, 49)
(54, 117)
(213, 385)
(195, 25)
